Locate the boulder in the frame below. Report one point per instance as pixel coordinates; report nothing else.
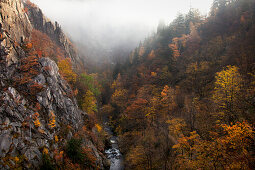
(5, 143)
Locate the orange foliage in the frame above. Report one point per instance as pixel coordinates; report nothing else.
(52, 121)
(71, 166)
(165, 91)
(58, 155)
(29, 68)
(90, 159)
(153, 74)
(76, 92)
(45, 47)
(175, 50)
(227, 149)
(30, 64)
(137, 108)
(29, 45)
(35, 88)
(35, 116)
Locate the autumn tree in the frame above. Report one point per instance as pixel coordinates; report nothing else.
(65, 69)
(89, 82)
(168, 100)
(190, 103)
(28, 68)
(151, 110)
(227, 91)
(176, 127)
(90, 103)
(35, 117)
(52, 120)
(119, 98)
(228, 148)
(197, 79)
(117, 84)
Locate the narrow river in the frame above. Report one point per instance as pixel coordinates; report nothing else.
(113, 153)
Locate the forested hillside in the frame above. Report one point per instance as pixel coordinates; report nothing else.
(185, 96)
(183, 99)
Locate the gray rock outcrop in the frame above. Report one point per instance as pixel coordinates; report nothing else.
(21, 138)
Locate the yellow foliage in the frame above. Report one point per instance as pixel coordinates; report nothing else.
(227, 85)
(232, 144)
(65, 69)
(114, 84)
(52, 121)
(176, 126)
(45, 151)
(16, 159)
(99, 128)
(37, 122)
(56, 138)
(90, 103)
(117, 84)
(151, 110)
(119, 97)
(227, 90)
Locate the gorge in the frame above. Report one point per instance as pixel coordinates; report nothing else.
(182, 98)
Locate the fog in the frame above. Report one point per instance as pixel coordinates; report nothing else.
(102, 27)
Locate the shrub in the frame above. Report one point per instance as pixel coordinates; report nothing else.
(74, 150)
(47, 163)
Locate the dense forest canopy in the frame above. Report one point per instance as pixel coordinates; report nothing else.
(185, 96)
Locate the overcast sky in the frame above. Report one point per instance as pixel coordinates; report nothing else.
(114, 22)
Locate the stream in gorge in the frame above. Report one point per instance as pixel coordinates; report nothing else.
(113, 153)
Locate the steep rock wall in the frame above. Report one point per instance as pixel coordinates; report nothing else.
(53, 30)
(16, 25)
(20, 137)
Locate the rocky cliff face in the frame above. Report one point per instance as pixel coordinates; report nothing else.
(53, 30)
(36, 104)
(16, 24)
